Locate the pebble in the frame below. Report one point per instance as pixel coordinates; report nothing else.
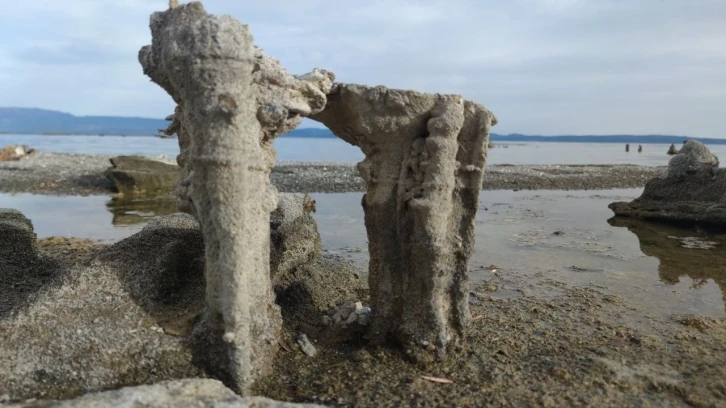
(349, 314)
(361, 355)
(306, 346)
(352, 318)
(363, 311)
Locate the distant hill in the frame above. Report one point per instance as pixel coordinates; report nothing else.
(39, 121)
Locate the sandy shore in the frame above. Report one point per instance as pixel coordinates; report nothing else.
(76, 174)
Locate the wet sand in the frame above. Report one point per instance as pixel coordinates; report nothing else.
(80, 174)
(567, 346)
(570, 307)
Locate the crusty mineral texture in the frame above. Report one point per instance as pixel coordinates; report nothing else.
(232, 101)
(694, 190)
(424, 166)
(294, 236)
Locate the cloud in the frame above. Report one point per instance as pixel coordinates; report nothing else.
(543, 66)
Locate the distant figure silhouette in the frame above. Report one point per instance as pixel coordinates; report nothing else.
(640, 148)
(627, 147)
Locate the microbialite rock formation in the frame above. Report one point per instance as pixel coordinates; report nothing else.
(425, 158)
(232, 102)
(694, 190)
(424, 167)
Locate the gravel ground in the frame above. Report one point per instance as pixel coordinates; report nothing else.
(77, 174)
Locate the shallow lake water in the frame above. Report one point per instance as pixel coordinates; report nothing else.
(563, 236)
(336, 150)
(97, 217)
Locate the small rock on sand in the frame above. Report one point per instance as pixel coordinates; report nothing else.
(306, 346)
(12, 153)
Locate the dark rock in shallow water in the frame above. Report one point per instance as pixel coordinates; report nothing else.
(138, 174)
(672, 150)
(693, 191)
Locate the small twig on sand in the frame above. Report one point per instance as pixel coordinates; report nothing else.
(437, 380)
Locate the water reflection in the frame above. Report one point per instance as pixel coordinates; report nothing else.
(694, 252)
(138, 210)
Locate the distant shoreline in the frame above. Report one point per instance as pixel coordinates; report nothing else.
(315, 133)
(82, 134)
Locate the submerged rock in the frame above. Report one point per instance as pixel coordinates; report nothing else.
(138, 174)
(187, 393)
(693, 191)
(15, 152)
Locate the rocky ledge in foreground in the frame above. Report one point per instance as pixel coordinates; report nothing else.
(693, 191)
(79, 317)
(188, 393)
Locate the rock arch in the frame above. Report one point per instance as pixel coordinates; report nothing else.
(424, 166)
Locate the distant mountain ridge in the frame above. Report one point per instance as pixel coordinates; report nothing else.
(39, 121)
(42, 121)
(515, 137)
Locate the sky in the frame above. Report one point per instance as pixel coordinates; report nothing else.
(542, 66)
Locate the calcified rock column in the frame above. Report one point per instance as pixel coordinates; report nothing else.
(424, 167)
(227, 122)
